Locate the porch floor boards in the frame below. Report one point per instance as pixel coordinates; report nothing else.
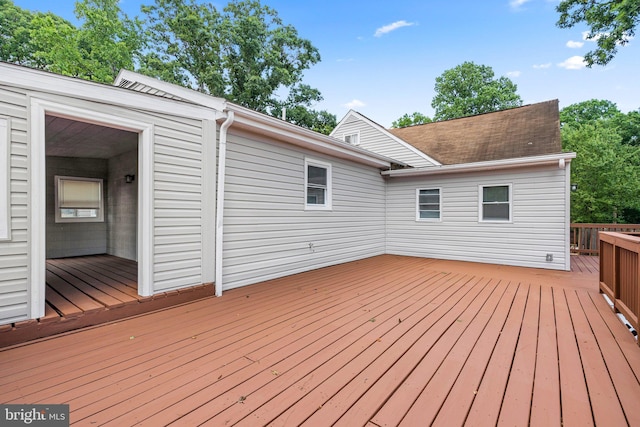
(383, 341)
(89, 290)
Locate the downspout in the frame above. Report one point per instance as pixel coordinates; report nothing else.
(222, 159)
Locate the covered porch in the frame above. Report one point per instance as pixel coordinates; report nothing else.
(383, 341)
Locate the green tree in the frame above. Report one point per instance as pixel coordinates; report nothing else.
(588, 111)
(298, 110)
(410, 120)
(105, 42)
(606, 172)
(243, 53)
(471, 89)
(611, 24)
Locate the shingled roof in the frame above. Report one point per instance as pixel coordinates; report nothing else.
(531, 130)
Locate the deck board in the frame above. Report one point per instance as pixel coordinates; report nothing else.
(383, 341)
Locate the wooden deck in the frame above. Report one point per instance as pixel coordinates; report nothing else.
(384, 341)
(89, 290)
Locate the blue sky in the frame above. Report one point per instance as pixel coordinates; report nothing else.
(382, 58)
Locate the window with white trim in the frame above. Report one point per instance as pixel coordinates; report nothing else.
(79, 199)
(317, 184)
(353, 138)
(495, 203)
(428, 204)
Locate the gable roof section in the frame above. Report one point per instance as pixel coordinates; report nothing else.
(403, 145)
(531, 130)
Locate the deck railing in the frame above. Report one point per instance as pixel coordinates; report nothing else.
(620, 273)
(584, 237)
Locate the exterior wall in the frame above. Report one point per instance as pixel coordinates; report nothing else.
(377, 141)
(177, 197)
(69, 239)
(14, 264)
(269, 234)
(539, 226)
(122, 206)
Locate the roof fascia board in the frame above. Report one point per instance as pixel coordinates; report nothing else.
(305, 138)
(182, 92)
(521, 162)
(46, 82)
(392, 136)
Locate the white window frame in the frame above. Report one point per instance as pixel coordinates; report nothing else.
(439, 218)
(5, 178)
(353, 135)
(481, 203)
(100, 214)
(328, 191)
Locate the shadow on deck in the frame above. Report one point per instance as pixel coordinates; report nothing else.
(383, 341)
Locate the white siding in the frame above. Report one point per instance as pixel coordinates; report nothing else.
(268, 233)
(537, 229)
(379, 141)
(177, 199)
(14, 253)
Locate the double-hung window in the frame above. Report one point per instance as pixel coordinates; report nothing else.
(428, 204)
(79, 199)
(495, 203)
(317, 184)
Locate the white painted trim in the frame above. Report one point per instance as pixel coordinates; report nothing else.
(70, 87)
(418, 219)
(5, 178)
(37, 180)
(200, 98)
(208, 201)
(301, 137)
(327, 206)
(567, 219)
(481, 203)
(520, 162)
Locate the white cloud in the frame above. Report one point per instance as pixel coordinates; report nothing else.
(574, 45)
(356, 103)
(514, 73)
(542, 66)
(392, 27)
(515, 4)
(573, 63)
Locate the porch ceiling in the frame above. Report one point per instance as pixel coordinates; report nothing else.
(72, 138)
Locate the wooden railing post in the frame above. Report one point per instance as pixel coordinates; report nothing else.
(620, 273)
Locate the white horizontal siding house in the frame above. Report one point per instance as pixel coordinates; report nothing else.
(200, 190)
(145, 157)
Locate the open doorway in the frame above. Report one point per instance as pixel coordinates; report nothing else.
(91, 238)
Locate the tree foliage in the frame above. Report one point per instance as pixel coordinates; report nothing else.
(106, 41)
(243, 52)
(611, 24)
(471, 89)
(607, 166)
(410, 120)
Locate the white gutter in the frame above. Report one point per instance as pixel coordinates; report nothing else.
(546, 160)
(222, 159)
